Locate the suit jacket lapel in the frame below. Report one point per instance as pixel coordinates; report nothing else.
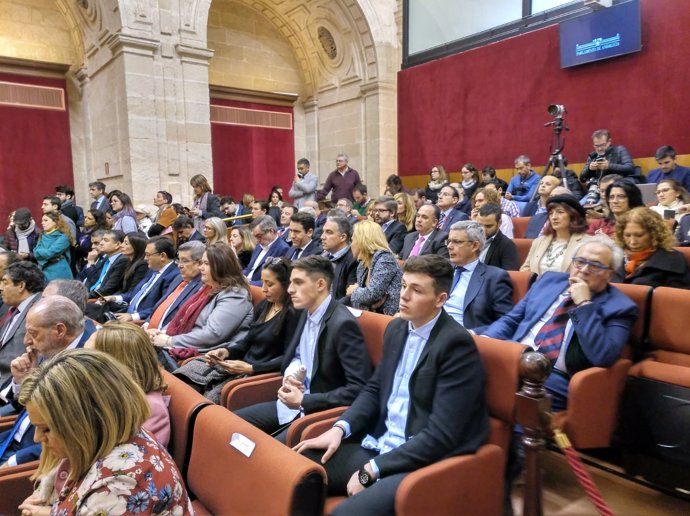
(476, 281)
(397, 345)
(426, 248)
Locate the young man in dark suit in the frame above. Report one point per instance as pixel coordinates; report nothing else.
(302, 226)
(499, 250)
(109, 279)
(328, 347)
(424, 403)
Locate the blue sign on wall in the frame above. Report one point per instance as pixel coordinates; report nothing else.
(602, 34)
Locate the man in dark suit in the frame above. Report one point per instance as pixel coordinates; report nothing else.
(427, 239)
(66, 195)
(425, 402)
(21, 287)
(160, 256)
(302, 226)
(109, 279)
(499, 250)
(588, 321)
(182, 287)
(185, 230)
(335, 239)
(385, 212)
(448, 197)
(53, 324)
(97, 193)
(480, 294)
(269, 244)
(326, 363)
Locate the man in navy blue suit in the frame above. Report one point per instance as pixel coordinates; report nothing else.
(53, 324)
(448, 197)
(596, 317)
(159, 255)
(182, 287)
(480, 293)
(265, 230)
(302, 226)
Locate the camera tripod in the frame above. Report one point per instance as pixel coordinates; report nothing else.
(556, 159)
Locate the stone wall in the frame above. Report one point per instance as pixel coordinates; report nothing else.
(35, 30)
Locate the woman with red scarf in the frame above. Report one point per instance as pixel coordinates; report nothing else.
(649, 255)
(216, 316)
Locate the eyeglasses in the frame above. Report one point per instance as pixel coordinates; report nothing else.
(663, 190)
(594, 267)
(273, 260)
(148, 255)
(450, 241)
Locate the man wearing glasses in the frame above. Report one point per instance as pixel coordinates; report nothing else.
(606, 158)
(576, 318)
(385, 211)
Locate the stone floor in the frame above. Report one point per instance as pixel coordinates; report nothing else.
(563, 496)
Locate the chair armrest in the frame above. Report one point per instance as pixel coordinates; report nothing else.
(591, 417)
(473, 482)
(245, 392)
(15, 488)
(294, 434)
(27, 466)
(316, 429)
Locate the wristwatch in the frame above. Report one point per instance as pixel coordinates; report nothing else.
(365, 478)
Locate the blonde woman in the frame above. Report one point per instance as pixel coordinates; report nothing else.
(130, 345)
(378, 273)
(215, 231)
(406, 210)
(97, 458)
(243, 243)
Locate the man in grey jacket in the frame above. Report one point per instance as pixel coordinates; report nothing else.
(304, 184)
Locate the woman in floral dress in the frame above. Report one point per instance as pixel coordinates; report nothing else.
(97, 458)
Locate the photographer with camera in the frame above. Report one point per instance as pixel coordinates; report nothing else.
(304, 185)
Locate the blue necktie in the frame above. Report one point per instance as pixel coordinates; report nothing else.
(142, 292)
(456, 277)
(8, 441)
(104, 270)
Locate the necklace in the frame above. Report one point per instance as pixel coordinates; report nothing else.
(554, 252)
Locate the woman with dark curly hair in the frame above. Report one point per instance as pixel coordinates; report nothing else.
(649, 255)
(564, 231)
(620, 196)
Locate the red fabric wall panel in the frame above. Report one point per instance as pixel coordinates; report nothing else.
(251, 159)
(488, 105)
(35, 151)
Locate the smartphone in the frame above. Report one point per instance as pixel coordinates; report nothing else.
(601, 158)
(669, 214)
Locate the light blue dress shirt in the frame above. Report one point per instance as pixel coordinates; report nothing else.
(455, 305)
(304, 356)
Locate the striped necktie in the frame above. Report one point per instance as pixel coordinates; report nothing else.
(550, 338)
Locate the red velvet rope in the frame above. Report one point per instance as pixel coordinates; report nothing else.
(583, 477)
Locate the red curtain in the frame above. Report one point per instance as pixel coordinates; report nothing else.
(251, 159)
(488, 105)
(35, 151)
